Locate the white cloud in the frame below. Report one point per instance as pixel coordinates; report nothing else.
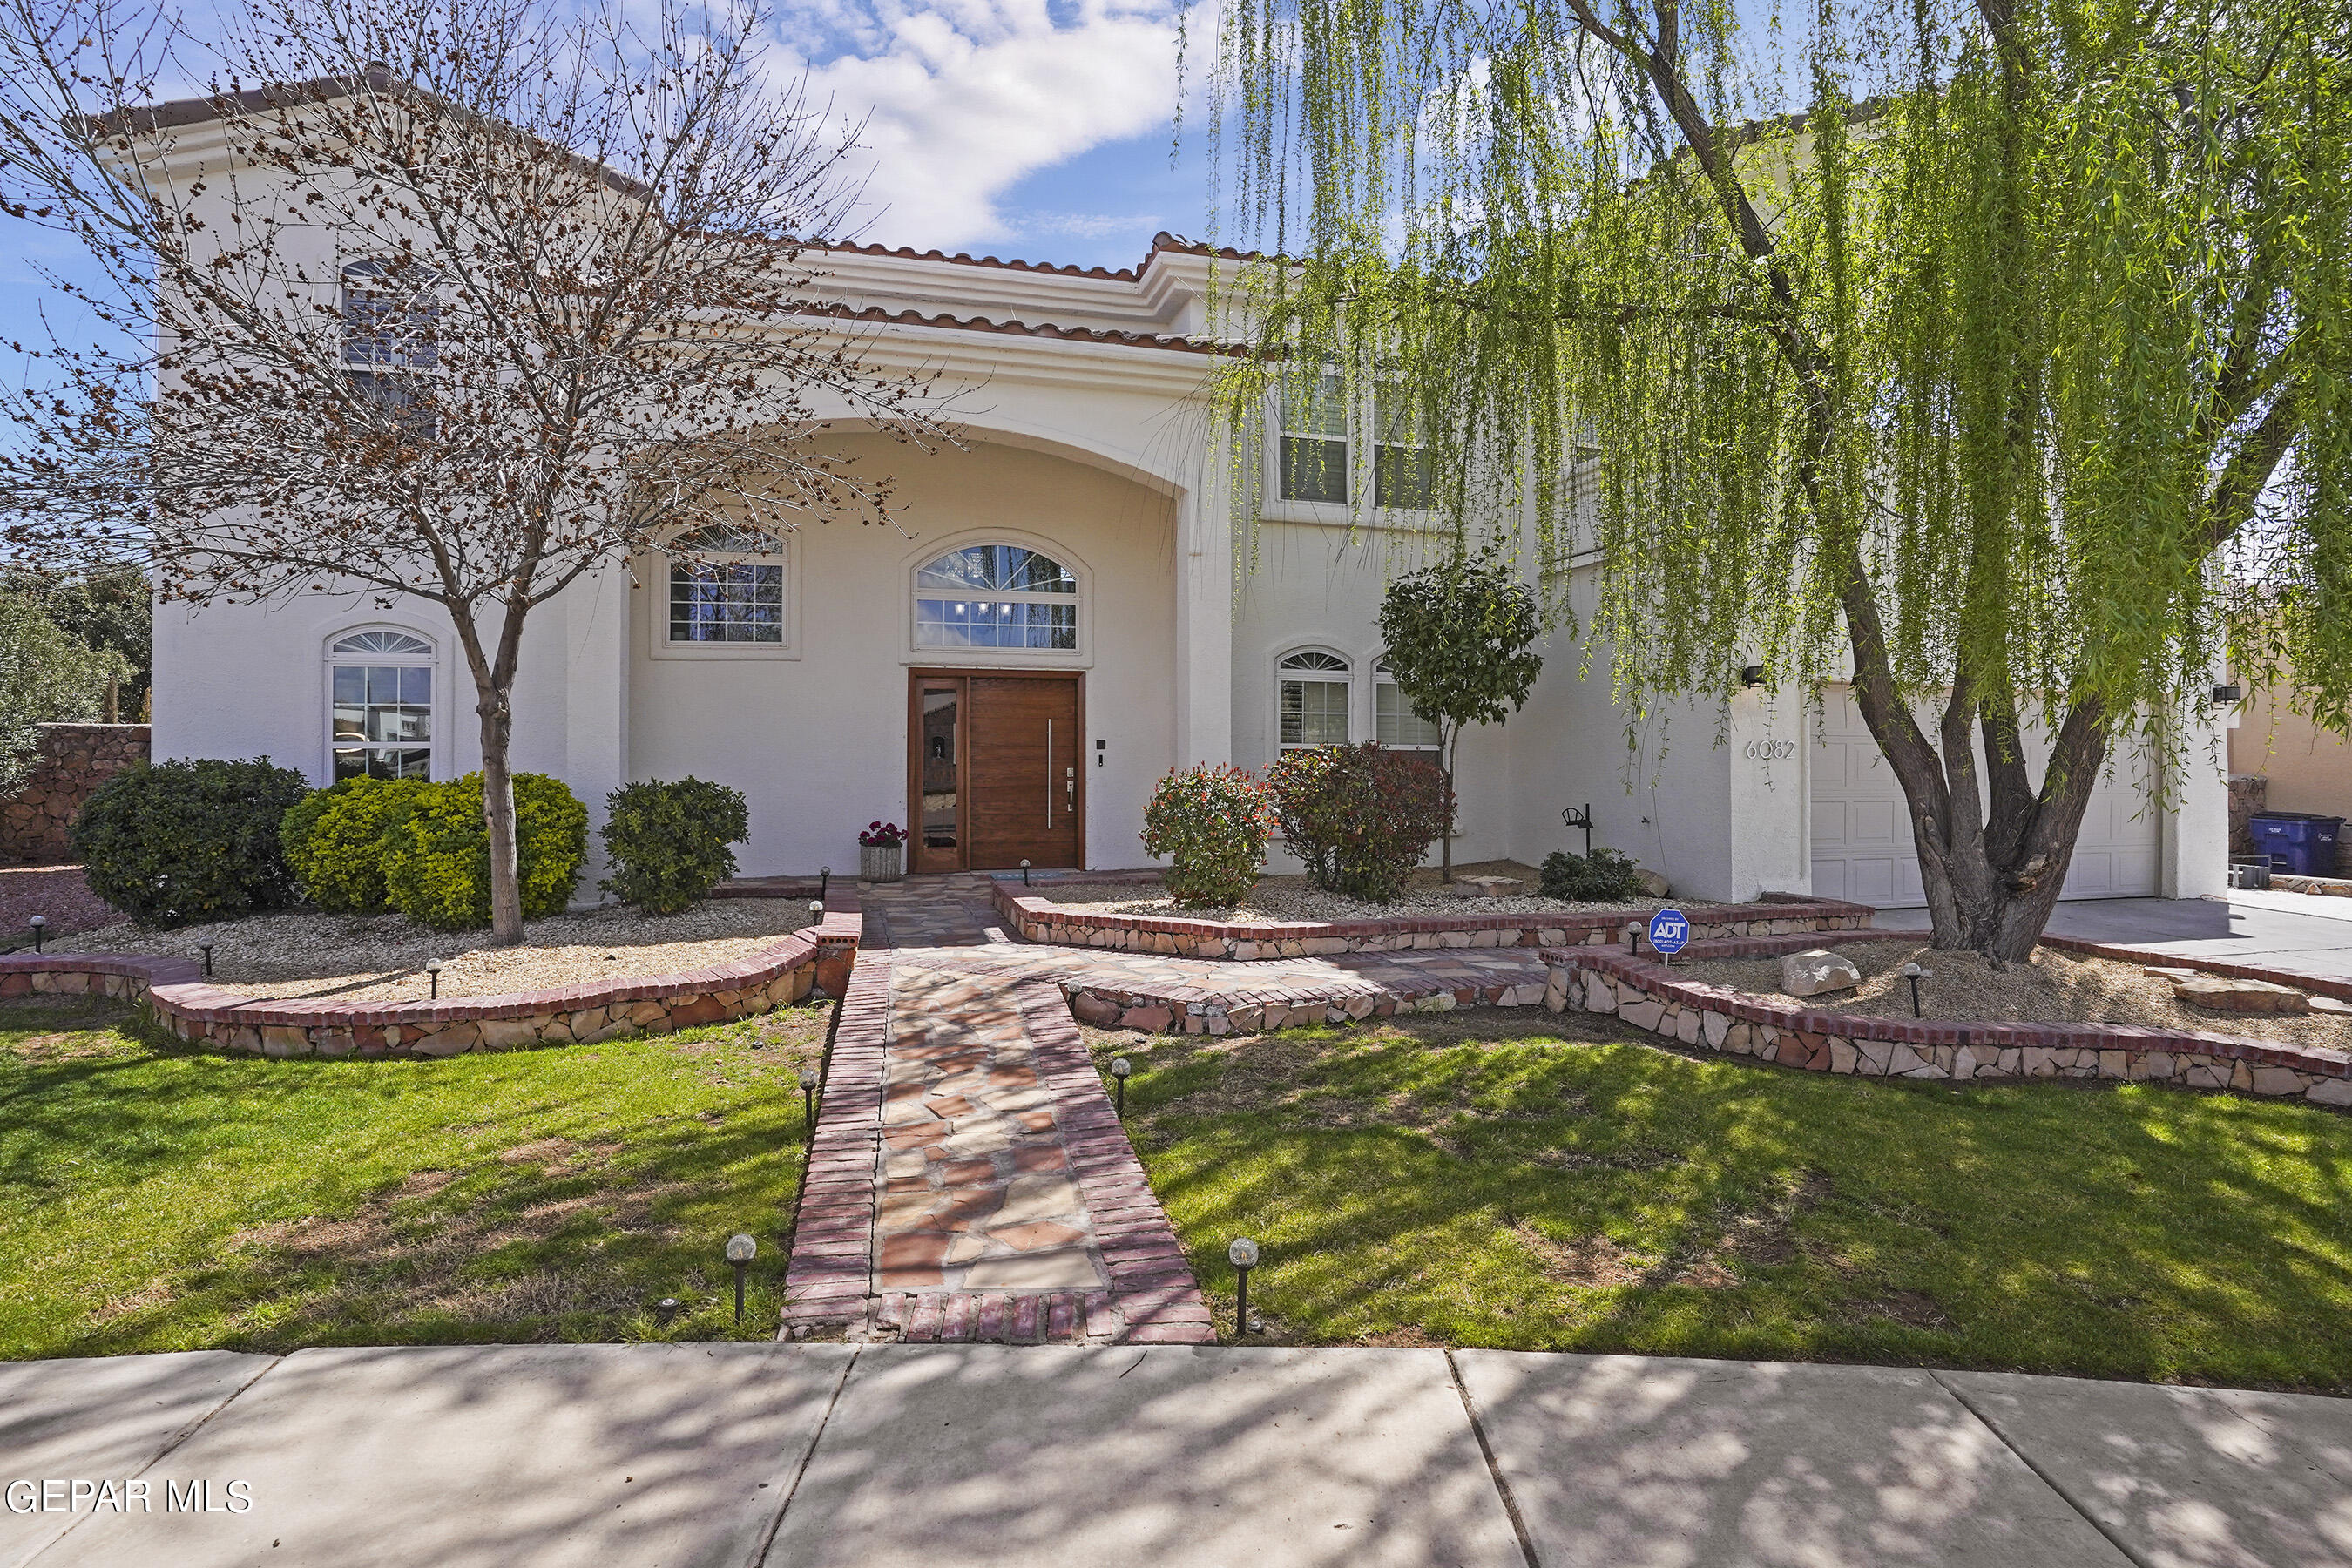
(966, 97)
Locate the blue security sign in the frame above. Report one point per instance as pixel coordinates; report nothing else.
(1669, 932)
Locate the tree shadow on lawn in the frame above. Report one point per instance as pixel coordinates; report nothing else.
(1563, 1184)
(531, 1195)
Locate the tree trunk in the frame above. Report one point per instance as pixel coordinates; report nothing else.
(1448, 740)
(498, 813)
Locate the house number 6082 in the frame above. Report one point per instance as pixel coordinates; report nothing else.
(1771, 751)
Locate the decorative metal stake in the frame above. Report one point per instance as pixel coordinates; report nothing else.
(1580, 817)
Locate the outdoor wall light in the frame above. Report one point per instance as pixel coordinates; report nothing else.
(808, 1101)
(432, 970)
(40, 930)
(1914, 974)
(2223, 696)
(1025, 873)
(207, 949)
(1243, 1254)
(1751, 675)
(740, 1250)
(1119, 1067)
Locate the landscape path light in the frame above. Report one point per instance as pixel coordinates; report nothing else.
(207, 949)
(1025, 873)
(740, 1250)
(40, 930)
(1914, 973)
(1243, 1254)
(824, 883)
(665, 1310)
(432, 970)
(808, 1102)
(1119, 1067)
(816, 911)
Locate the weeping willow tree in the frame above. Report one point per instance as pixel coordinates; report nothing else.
(1991, 356)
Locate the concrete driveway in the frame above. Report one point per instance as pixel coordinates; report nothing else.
(535, 1456)
(2291, 932)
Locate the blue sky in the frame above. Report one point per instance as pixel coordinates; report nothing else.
(1038, 129)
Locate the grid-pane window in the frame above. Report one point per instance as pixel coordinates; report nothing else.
(1402, 474)
(732, 590)
(391, 316)
(381, 706)
(1313, 699)
(1396, 724)
(1315, 440)
(996, 597)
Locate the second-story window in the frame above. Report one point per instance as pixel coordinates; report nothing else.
(1314, 441)
(1402, 475)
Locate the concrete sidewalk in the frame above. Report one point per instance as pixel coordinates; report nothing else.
(531, 1457)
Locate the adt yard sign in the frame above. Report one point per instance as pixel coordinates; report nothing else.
(1669, 932)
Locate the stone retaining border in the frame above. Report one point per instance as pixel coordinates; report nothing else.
(797, 964)
(1649, 996)
(1043, 921)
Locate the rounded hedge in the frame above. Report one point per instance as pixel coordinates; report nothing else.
(1211, 821)
(667, 843)
(178, 843)
(335, 839)
(437, 857)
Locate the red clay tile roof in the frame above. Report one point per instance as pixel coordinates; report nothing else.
(1028, 330)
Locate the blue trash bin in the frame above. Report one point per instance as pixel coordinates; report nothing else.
(2297, 842)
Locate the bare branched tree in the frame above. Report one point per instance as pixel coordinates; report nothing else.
(451, 300)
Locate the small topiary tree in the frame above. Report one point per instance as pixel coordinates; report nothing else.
(182, 842)
(1461, 639)
(1361, 818)
(1603, 877)
(667, 843)
(335, 840)
(436, 860)
(1212, 822)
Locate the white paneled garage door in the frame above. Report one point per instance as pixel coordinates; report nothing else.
(1862, 835)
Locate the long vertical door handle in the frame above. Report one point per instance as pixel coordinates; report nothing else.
(1049, 772)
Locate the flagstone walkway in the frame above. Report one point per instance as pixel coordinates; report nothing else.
(969, 1180)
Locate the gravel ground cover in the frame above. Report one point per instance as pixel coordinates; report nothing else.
(2056, 987)
(160, 1197)
(383, 958)
(1296, 899)
(1564, 1183)
(59, 893)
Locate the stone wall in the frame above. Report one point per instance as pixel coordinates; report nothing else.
(75, 759)
(1648, 997)
(2248, 792)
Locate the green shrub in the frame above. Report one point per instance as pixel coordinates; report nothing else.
(335, 840)
(1603, 877)
(1213, 823)
(1361, 818)
(182, 842)
(436, 860)
(667, 843)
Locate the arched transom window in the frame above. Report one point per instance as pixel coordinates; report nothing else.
(730, 590)
(380, 715)
(996, 596)
(1312, 698)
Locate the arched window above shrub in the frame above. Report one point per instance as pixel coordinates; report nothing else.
(996, 597)
(380, 705)
(1313, 687)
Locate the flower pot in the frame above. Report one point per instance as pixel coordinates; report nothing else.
(879, 862)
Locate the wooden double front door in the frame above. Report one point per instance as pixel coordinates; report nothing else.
(997, 770)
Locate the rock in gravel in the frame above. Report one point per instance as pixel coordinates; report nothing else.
(2330, 1005)
(2229, 995)
(1816, 970)
(2168, 971)
(1653, 885)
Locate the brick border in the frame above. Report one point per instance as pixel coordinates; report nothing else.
(829, 1273)
(1043, 921)
(796, 965)
(1649, 996)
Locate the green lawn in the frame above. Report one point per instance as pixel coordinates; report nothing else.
(1553, 1183)
(153, 1197)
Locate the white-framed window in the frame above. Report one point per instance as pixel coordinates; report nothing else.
(1394, 723)
(1313, 439)
(391, 316)
(1403, 477)
(1312, 698)
(996, 597)
(380, 705)
(725, 589)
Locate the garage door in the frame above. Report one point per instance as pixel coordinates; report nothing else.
(1862, 834)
